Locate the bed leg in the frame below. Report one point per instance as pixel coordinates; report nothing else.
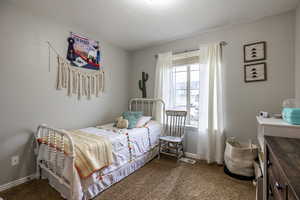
(38, 171)
(39, 175)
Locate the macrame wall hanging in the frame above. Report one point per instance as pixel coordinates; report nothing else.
(84, 54)
(78, 82)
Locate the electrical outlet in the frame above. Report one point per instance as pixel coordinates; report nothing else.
(14, 160)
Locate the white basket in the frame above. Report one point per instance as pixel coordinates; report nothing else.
(240, 158)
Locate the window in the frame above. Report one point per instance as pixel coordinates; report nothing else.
(186, 85)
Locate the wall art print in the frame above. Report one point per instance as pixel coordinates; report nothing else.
(255, 52)
(83, 52)
(255, 72)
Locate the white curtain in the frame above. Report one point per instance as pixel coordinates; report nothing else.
(163, 81)
(211, 128)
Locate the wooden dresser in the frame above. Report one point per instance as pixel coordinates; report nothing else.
(271, 127)
(282, 168)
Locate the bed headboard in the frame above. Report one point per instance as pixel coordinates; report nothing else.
(150, 107)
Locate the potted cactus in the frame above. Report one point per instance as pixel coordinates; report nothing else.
(142, 84)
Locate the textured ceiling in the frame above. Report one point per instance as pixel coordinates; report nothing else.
(135, 24)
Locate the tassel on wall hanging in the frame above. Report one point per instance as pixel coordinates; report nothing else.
(79, 82)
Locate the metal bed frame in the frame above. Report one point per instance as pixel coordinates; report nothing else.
(57, 139)
(148, 106)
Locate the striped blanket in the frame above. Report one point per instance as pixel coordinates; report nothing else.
(92, 152)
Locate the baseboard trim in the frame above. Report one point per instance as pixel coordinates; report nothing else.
(17, 182)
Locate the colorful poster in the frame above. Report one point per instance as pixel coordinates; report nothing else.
(83, 52)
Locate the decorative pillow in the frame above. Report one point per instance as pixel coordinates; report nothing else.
(132, 118)
(120, 122)
(143, 121)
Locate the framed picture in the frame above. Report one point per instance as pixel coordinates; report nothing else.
(255, 72)
(254, 52)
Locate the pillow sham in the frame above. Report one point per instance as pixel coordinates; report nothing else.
(132, 118)
(142, 121)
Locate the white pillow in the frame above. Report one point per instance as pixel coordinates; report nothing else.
(142, 121)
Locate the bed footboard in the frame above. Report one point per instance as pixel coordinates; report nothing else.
(57, 141)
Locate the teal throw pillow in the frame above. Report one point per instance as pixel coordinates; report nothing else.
(132, 118)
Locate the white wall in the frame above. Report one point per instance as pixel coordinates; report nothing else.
(297, 53)
(242, 100)
(28, 95)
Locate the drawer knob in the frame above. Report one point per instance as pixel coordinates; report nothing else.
(269, 163)
(270, 192)
(278, 186)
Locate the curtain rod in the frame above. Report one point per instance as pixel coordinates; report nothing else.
(222, 43)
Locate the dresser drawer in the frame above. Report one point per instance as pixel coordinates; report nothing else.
(276, 189)
(282, 169)
(277, 185)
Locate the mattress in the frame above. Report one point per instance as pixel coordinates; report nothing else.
(141, 140)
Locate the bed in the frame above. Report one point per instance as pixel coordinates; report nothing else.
(131, 149)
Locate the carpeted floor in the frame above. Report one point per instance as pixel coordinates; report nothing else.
(162, 179)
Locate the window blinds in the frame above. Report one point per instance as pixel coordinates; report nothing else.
(186, 58)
